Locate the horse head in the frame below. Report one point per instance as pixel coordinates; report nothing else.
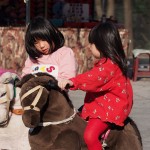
(42, 100)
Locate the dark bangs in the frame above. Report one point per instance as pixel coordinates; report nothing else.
(39, 31)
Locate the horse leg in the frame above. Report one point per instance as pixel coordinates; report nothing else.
(67, 140)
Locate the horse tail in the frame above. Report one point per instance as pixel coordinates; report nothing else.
(133, 124)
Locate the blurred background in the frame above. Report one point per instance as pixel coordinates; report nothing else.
(74, 18)
(133, 14)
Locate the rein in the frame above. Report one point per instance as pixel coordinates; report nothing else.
(36, 99)
(58, 122)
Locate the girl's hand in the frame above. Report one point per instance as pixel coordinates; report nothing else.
(62, 83)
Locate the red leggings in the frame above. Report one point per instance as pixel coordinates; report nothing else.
(93, 130)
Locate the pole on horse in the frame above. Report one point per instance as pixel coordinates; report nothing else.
(104, 7)
(27, 11)
(103, 18)
(45, 9)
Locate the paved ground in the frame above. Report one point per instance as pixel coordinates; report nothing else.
(141, 108)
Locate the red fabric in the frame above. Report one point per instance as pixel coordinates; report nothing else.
(109, 94)
(94, 129)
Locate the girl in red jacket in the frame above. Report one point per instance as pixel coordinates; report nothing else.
(109, 93)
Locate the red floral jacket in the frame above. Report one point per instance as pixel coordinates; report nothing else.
(109, 94)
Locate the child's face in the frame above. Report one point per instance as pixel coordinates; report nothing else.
(94, 51)
(42, 46)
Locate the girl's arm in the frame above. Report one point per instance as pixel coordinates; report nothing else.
(63, 84)
(95, 80)
(67, 64)
(27, 67)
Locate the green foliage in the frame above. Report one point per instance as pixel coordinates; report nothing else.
(141, 23)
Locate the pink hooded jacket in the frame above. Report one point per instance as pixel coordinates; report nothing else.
(61, 64)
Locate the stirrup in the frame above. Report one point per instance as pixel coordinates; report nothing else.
(104, 144)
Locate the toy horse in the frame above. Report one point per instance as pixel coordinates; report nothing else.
(7, 94)
(54, 124)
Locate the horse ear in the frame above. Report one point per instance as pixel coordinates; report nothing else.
(52, 84)
(24, 80)
(18, 84)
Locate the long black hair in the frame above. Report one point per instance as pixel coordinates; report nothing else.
(42, 29)
(107, 40)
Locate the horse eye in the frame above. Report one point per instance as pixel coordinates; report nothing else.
(31, 106)
(3, 94)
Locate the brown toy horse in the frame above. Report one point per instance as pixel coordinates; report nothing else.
(54, 124)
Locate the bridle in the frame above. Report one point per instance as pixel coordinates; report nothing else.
(34, 103)
(36, 99)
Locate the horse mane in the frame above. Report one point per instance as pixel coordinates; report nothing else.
(67, 98)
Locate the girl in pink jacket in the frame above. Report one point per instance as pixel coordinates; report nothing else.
(109, 94)
(44, 44)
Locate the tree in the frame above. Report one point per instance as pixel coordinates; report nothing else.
(110, 8)
(128, 22)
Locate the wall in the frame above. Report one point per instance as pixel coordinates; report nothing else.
(13, 55)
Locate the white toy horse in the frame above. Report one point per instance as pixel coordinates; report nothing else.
(7, 94)
(13, 133)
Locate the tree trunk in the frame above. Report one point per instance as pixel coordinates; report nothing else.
(128, 23)
(97, 10)
(110, 8)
